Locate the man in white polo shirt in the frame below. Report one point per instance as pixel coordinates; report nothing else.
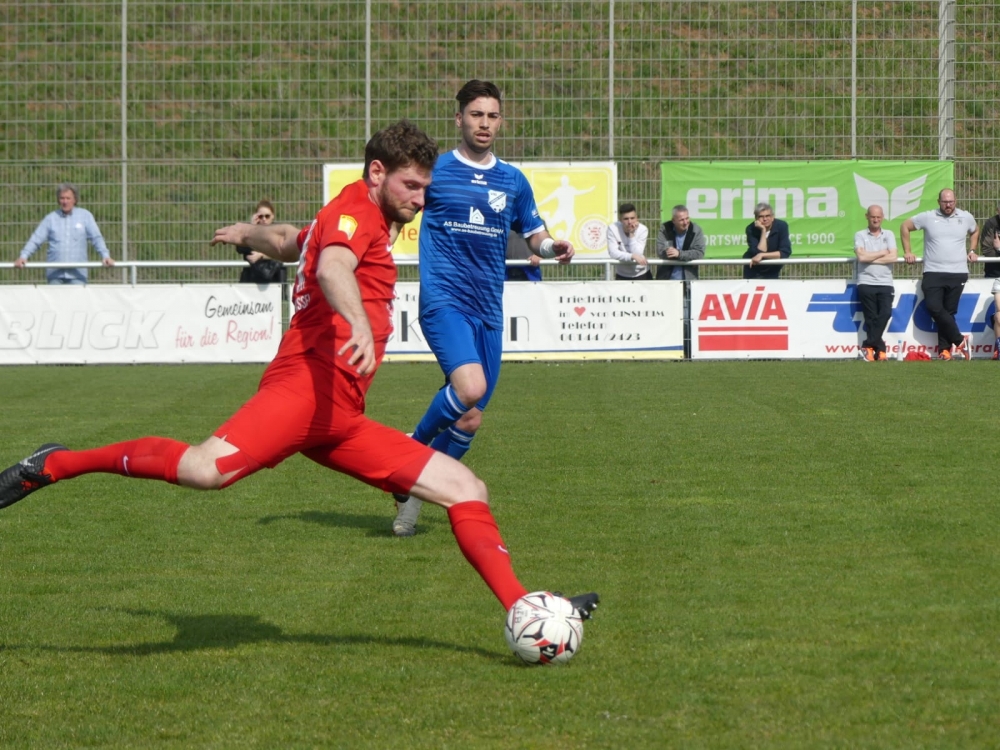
(875, 249)
(946, 256)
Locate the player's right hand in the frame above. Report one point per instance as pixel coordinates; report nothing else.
(234, 234)
(361, 346)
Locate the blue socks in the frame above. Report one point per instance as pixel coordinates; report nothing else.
(443, 412)
(453, 442)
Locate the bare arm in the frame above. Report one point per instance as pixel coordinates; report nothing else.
(904, 237)
(335, 274)
(278, 241)
(973, 244)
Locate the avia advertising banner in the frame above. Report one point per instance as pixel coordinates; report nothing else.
(788, 319)
(577, 201)
(824, 202)
(566, 320)
(154, 323)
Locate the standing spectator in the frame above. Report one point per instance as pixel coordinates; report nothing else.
(627, 244)
(261, 269)
(875, 249)
(67, 231)
(989, 247)
(767, 239)
(517, 249)
(947, 251)
(680, 239)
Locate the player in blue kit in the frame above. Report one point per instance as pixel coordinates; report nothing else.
(472, 203)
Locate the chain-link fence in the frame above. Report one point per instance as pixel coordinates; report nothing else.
(175, 117)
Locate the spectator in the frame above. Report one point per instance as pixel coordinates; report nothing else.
(946, 254)
(875, 249)
(67, 231)
(680, 239)
(627, 244)
(989, 247)
(767, 239)
(261, 269)
(517, 249)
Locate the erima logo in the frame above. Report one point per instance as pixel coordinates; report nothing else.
(793, 202)
(476, 216)
(902, 200)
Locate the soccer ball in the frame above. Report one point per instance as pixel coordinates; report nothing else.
(543, 628)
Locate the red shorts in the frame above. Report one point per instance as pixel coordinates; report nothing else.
(310, 406)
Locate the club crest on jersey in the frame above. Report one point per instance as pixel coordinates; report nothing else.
(498, 200)
(347, 224)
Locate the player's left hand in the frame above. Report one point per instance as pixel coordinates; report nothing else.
(564, 251)
(972, 256)
(362, 349)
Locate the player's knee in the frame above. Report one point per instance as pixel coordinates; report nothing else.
(470, 421)
(465, 485)
(470, 393)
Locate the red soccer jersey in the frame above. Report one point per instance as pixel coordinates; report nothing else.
(353, 220)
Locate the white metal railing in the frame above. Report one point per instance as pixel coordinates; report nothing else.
(132, 267)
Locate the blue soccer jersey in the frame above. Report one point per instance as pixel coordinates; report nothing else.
(463, 234)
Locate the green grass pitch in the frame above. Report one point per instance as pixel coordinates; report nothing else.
(791, 555)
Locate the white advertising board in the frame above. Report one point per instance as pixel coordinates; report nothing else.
(786, 319)
(567, 320)
(155, 323)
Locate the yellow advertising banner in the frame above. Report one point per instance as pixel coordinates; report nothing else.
(575, 199)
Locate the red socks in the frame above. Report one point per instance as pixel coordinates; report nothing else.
(479, 539)
(145, 458)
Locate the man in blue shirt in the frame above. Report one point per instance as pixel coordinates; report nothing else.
(67, 231)
(474, 200)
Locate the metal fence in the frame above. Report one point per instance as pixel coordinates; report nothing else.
(174, 118)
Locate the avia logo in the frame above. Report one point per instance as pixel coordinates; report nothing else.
(847, 317)
(476, 216)
(743, 322)
(791, 202)
(903, 200)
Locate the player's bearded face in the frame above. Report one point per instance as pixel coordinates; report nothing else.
(479, 122)
(401, 193)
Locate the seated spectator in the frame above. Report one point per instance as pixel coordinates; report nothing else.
(627, 244)
(767, 239)
(680, 239)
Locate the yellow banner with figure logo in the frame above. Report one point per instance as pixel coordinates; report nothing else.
(576, 200)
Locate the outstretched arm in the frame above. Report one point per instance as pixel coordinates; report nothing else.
(278, 241)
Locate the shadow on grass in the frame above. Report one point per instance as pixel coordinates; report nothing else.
(375, 525)
(204, 632)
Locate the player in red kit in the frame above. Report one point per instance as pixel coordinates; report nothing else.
(312, 396)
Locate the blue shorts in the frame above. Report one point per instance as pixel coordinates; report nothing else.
(457, 339)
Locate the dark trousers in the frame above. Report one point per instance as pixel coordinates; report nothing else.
(942, 292)
(876, 305)
(647, 276)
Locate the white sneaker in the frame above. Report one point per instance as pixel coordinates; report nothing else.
(405, 523)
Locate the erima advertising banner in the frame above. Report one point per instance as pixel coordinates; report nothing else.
(824, 202)
(575, 199)
(566, 320)
(788, 319)
(161, 323)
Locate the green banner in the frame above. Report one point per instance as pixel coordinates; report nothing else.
(824, 202)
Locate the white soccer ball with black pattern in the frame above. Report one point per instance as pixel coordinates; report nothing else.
(543, 628)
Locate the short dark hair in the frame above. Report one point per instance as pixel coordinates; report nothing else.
(399, 146)
(475, 89)
(626, 208)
